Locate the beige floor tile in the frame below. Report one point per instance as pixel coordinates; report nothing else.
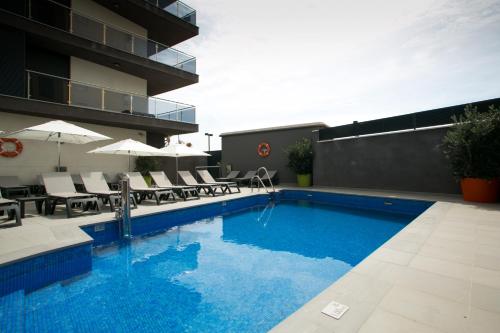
(487, 261)
(380, 270)
(483, 321)
(385, 322)
(435, 284)
(392, 256)
(462, 255)
(485, 298)
(442, 267)
(455, 234)
(427, 309)
(403, 245)
(486, 277)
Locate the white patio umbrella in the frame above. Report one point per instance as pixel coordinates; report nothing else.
(61, 132)
(128, 147)
(181, 150)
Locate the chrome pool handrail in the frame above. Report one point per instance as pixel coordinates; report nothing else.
(260, 182)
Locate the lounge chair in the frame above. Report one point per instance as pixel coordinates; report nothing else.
(12, 208)
(208, 179)
(230, 177)
(189, 180)
(10, 185)
(60, 189)
(161, 180)
(142, 190)
(95, 183)
(272, 176)
(246, 178)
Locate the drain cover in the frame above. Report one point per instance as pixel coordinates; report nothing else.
(335, 310)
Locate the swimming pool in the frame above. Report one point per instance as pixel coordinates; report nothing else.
(242, 271)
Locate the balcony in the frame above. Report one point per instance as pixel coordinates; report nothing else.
(177, 8)
(50, 88)
(167, 21)
(62, 17)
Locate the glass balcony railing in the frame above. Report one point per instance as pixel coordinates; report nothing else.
(50, 88)
(62, 17)
(176, 8)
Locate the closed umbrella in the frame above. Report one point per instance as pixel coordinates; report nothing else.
(61, 132)
(181, 150)
(128, 147)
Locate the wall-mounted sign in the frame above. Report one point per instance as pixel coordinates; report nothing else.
(263, 149)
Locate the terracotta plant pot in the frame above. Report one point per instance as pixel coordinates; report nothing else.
(304, 180)
(480, 190)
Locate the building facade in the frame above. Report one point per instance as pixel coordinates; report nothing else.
(97, 64)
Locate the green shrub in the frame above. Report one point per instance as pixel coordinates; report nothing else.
(300, 157)
(472, 145)
(144, 164)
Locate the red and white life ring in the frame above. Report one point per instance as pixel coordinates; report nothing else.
(263, 149)
(10, 153)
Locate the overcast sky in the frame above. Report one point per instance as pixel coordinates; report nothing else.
(278, 62)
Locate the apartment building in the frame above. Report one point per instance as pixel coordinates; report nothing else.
(97, 64)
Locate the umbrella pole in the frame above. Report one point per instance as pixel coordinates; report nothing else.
(176, 171)
(59, 152)
(129, 161)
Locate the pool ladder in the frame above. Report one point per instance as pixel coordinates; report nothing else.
(260, 182)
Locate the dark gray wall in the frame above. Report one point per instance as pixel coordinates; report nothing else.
(411, 161)
(12, 62)
(240, 150)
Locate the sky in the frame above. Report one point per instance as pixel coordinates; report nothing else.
(269, 63)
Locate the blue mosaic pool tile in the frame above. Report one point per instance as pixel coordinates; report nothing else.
(390, 205)
(103, 233)
(37, 272)
(157, 222)
(11, 316)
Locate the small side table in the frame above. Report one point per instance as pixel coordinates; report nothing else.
(38, 200)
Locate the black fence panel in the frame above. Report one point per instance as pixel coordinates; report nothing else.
(415, 120)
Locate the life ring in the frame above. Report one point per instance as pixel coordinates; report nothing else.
(10, 153)
(263, 149)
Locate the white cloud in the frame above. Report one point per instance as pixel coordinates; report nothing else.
(265, 63)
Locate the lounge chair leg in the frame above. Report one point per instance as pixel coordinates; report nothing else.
(68, 208)
(112, 203)
(157, 197)
(18, 215)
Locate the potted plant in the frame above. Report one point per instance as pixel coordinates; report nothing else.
(300, 160)
(472, 146)
(144, 164)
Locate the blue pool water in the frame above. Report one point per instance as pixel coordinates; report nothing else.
(243, 272)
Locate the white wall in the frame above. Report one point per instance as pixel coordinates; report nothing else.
(89, 72)
(38, 157)
(94, 10)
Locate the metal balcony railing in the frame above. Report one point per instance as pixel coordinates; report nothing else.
(62, 17)
(176, 8)
(55, 89)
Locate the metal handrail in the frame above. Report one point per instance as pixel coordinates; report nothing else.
(187, 106)
(268, 177)
(260, 182)
(119, 29)
(179, 107)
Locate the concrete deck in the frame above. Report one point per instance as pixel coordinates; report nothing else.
(441, 273)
